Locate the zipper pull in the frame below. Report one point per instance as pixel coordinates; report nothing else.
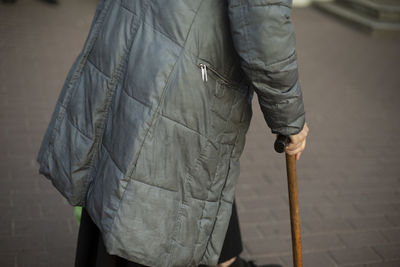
(203, 72)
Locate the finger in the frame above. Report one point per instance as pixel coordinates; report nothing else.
(306, 127)
(295, 152)
(301, 149)
(291, 146)
(294, 147)
(298, 138)
(295, 139)
(294, 144)
(298, 156)
(297, 149)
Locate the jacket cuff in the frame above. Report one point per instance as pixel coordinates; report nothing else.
(293, 128)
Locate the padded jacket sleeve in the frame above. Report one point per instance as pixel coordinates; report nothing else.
(264, 38)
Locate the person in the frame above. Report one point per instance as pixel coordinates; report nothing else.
(151, 121)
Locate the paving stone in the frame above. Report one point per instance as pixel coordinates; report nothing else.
(257, 216)
(362, 197)
(244, 191)
(312, 198)
(11, 164)
(264, 191)
(275, 230)
(30, 259)
(251, 178)
(61, 258)
(281, 214)
(35, 227)
(53, 198)
(14, 244)
(385, 264)
(261, 260)
(263, 203)
(320, 242)
(307, 187)
(63, 211)
(394, 220)
(5, 198)
(5, 227)
(21, 212)
(306, 213)
(250, 232)
(362, 239)
(45, 186)
(17, 184)
(378, 208)
(315, 259)
(269, 247)
(338, 211)
(385, 196)
(393, 235)
(364, 223)
(8, 259)
(354, 256)
(61, 240)
(325, 226)
(388, 252)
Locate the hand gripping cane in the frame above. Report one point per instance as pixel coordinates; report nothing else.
(280, 144)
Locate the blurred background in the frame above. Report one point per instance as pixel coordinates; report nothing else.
(349, 175)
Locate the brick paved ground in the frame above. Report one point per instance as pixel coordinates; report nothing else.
(349, 184)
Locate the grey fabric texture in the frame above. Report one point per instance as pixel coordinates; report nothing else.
(151, 121)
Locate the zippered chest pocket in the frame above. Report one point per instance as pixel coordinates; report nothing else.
(206, 70)
(222, 97)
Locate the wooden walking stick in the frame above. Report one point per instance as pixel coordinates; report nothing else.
(280, 144)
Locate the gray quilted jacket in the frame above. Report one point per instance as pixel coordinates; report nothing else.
(151, 121)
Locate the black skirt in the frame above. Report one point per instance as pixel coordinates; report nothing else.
(91, 252)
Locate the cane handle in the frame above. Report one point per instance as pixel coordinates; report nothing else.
(280, 143)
